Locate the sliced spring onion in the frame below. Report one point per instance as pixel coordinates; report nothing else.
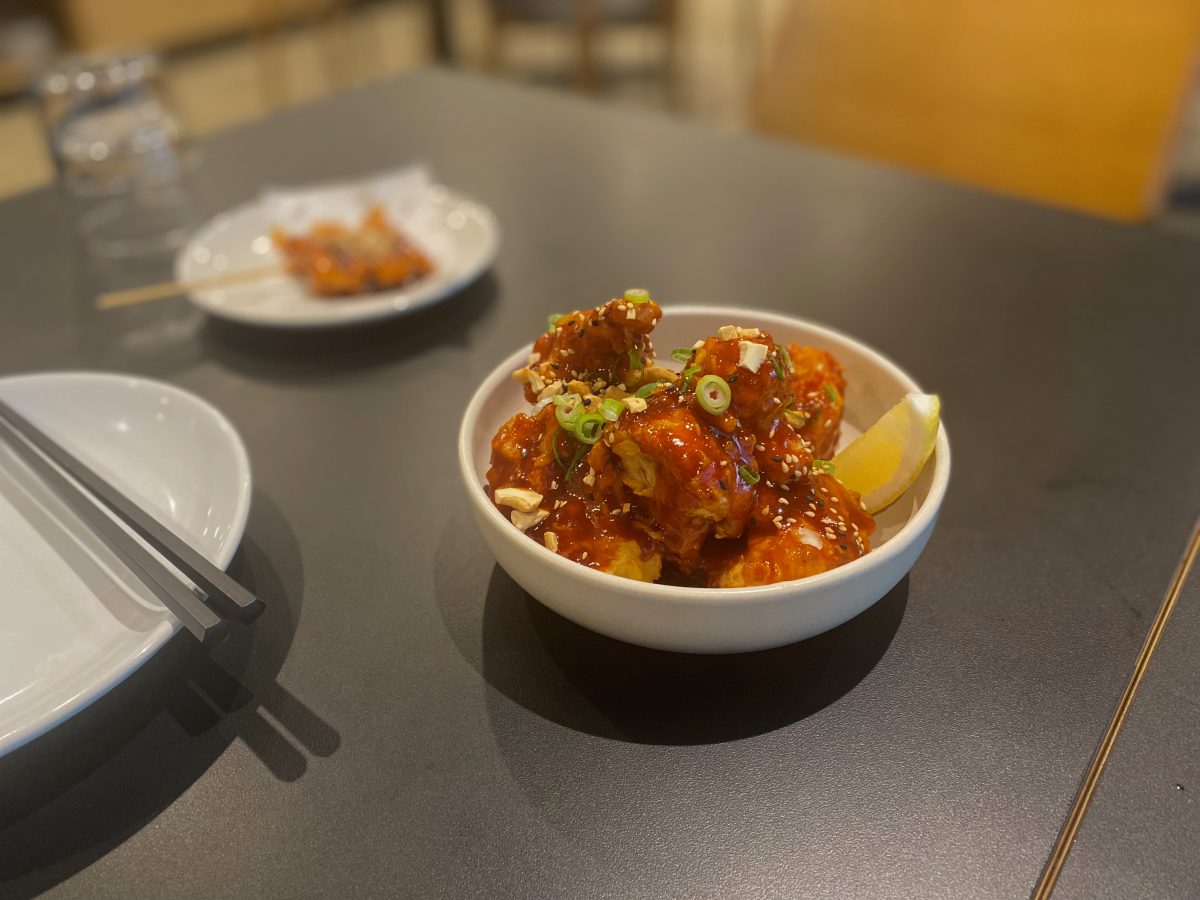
(611, 409)
(713, 393)
(554, 446)
(832, 392)
(567, 409)
(781, 362)
(552, 321)
(637, 295)
(681, 354)
(687, 375)
(635, 358)
(748, 475)
(589, 427)
(575, 457)
(646, 389)
(796, 419)
(825, 465)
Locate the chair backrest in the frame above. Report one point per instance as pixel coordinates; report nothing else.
(1072, 102)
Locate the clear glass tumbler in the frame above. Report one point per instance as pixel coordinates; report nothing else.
(121, 156)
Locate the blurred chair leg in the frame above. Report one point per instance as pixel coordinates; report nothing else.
(269, 55)
(587, 28)
(330, 25)
(439, 30)
(493, 59)
(750, 38)
(672, 82)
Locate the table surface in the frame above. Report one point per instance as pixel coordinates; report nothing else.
(404, 720)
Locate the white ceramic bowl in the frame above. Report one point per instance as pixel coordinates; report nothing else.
(712, 620)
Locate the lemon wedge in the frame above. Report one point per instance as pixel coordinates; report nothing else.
(884, 461)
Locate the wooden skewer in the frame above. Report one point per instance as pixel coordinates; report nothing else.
(113, 299)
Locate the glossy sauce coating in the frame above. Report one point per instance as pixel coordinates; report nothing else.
(819, 388)
(731, 497)
(333, 259)
(608, 345)
(587, 508)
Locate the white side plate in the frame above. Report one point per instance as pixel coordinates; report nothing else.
(461, 237)
(73, 621)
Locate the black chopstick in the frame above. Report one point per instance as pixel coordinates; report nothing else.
(204, 623)
(230, 597)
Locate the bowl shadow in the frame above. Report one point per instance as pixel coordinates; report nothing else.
(605, 687)
(304, 355)
(81, 789)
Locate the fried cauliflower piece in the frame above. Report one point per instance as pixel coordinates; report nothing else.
(523, 453)
(734, 497)
(583, 514)
(747, 359)
(817, 526)
(685, 478)
(818, 387)
(607, 345)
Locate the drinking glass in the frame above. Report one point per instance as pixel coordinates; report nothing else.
(120, 153)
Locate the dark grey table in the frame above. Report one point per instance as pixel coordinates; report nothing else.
(404, 721)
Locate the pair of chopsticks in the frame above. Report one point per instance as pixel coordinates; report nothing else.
(81, 491)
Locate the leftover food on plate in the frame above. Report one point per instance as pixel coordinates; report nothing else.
(333, 259)
(714, 471)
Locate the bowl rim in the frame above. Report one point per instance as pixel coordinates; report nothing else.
(874, 560)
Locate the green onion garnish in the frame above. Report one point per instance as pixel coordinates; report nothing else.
(687, 375)
(796, 419)
(647, 389)
(552, 321)
(832, 392)
(637, 295)
(635, 358)
(713, 393)
(575, 457)
(611, 409)
(781, 362)
(825, 465)
(748, 475)
(567, 409)
(682, 354)
(589, 427)
(554, 447)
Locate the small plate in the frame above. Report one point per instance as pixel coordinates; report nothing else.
(73, 621)
(460, 235)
